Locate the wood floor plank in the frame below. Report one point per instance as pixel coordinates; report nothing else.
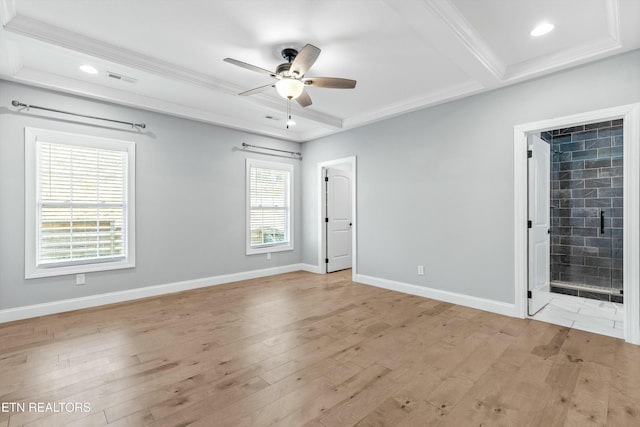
(562, 380)
(481, 359)
(314, 408)
(423, 415)
(350, 411)
(273, 411)
(483, 404)
(318, 353)
(179, 388)
(591, 397)
(391, 412)
(301, 349)
(331, 372)
(79, 419)
(141, 418)
(623, 407)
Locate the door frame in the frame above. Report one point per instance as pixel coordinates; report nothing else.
(322, 246)
(631, 234)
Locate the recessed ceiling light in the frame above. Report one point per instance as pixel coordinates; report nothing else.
(542, 29)
(90, 69)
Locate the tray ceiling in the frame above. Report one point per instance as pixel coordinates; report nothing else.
(405, 54)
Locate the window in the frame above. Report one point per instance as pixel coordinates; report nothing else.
(269, 207)
(79, 203)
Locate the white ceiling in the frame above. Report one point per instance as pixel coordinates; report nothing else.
(405, 54)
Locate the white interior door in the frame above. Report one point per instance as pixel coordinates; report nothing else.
(338, 220)
(540, 224)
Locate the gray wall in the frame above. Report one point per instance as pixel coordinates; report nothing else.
(435, 187)
(190, 193)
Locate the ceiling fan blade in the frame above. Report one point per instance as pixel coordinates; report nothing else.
(304, 99)
(257, 90)
(330, 82)
(249, 66)
(304, 60)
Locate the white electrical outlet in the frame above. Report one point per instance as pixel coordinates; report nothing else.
(80, 279)
(268, 255)
(421, 270)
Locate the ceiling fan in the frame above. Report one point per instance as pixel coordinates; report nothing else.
(290, 75)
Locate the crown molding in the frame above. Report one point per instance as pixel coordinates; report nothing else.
(428, 19)
(53, 35)
(70, 40)
(7, 11)
(576, 55)
(468, 35)
(313, 115)
(437, 97)
(562, 59)
(59, 37)
(89, 90)
(434, 98)
(457, 39)
(317, 133)
(536, 66)
(13, 58)
(612, 10)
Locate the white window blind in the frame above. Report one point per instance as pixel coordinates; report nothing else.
(82, 203)
(269, 206)
(79, 203)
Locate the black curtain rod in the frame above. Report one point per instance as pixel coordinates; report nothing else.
(20, 104)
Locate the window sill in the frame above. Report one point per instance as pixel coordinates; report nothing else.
(38, 272)
(268, 249)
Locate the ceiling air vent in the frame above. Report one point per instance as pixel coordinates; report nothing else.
(122, 77)
(271, 118)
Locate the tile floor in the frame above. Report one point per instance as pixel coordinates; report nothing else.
(600, 317)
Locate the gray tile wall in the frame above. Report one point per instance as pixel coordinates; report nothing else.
(586, 179)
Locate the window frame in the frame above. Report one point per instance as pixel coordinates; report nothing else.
(268, 247)
(32, 214)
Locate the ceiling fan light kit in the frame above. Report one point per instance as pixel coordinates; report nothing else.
(289, 88)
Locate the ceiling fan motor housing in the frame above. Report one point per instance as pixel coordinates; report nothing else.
(283, 69)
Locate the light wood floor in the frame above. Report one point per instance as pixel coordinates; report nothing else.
(313, 350)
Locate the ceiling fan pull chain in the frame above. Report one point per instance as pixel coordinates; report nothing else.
(290, 121)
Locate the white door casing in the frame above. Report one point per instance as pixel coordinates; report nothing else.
(539, 194)
(339, 219)
(631, 235)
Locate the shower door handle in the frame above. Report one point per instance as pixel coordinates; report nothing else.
(601, 222)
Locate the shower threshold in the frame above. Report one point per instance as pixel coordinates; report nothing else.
(585, 287)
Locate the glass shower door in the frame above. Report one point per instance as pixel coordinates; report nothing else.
(587, 211)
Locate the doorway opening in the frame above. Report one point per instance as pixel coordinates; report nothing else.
(587, 204)
(582, 233)
(337, 202)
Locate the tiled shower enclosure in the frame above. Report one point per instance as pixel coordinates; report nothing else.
(586, 210)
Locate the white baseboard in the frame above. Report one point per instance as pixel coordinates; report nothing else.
(311, 268)
(440, 295)
(36, 310)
